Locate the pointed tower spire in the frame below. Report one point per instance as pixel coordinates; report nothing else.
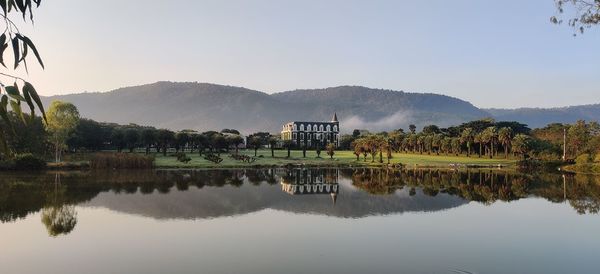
(334, 117)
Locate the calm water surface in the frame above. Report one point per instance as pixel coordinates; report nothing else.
(299, 221)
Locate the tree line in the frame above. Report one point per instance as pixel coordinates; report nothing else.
(481, 138)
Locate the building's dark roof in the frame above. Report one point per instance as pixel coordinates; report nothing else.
(301, 122)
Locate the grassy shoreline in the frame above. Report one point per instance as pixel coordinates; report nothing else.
(340, 159)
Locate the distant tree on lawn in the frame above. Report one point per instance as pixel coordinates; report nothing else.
(288, 144)
(412, 128)
(255, 142)
(181, 140)
(62, 118)
(132, 138)
(330, 150)
(148, 138)
(235, 141)
(117, 139)
(165, 139)
(272, 143)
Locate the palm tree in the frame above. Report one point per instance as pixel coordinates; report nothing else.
(505, 138)
(436, 142)
(272, 143)
(420, 143)
(467, 137)
(373, 143)
(478, 139)
(428, 143)
(490, 136)
(521, 144)
(412, 142)
(389, 147)
(455, 143)
(446, 145)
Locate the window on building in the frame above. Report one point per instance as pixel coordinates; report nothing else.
(328, 128)
(301, 127)
(335, 128)
(301, 135)
(294, 135)
(321, 128)
(295, 127)
(309, 129)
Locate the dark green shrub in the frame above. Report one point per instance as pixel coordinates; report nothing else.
(121, 161)
(7, 164)
(181, 157)
(29, 162)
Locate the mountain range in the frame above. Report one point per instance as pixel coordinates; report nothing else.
(203, 106)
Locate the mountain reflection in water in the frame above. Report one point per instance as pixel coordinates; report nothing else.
(343, 193)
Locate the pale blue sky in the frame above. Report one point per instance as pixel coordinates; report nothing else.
(491, 53)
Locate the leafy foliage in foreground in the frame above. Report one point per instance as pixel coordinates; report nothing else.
(15, 94)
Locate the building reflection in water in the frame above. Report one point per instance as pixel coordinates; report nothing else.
(310, 181)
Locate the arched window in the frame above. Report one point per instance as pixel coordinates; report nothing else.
(301, 127)
(328, 128)
(295, 127)
(334, 128)
(315, 128)
(309, 129)
(321, 128)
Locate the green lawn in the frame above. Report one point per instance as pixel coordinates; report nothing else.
(341, 158)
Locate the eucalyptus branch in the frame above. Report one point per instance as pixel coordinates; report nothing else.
(12, 76)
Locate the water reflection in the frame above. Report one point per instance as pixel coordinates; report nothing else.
(310, 182)
(356, 193)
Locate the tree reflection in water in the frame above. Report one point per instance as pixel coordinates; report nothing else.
(58, 216)
(56, 194)
(59, 219)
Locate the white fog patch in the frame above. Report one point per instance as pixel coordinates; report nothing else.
(397, 120)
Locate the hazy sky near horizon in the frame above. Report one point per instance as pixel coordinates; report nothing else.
(491, 53)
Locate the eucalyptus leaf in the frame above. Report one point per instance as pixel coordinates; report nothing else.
(15, 45)
(36, 98)
(16, 107)
(14, 93)
(29, 44)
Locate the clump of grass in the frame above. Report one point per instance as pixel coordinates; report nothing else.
(181, 157)
(121, 161)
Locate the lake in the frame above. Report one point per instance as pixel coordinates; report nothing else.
(299, 221)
